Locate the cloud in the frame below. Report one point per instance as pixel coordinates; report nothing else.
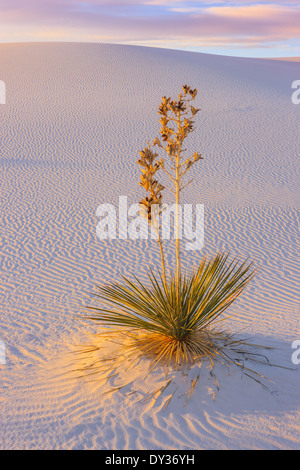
(191, 23)
(257, 11)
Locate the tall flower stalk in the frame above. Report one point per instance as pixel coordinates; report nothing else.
(154, 200)
(176, 119)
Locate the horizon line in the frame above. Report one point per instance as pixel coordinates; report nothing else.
(286, 58)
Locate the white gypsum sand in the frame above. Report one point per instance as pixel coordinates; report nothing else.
(75, 117)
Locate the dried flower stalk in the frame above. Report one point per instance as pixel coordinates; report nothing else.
(176, 119)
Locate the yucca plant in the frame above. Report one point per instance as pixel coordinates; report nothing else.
(173, 325)
(171, 318)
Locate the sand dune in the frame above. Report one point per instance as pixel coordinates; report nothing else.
(289, 59)
(75, 117)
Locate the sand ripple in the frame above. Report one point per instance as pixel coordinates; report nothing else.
(76, 117)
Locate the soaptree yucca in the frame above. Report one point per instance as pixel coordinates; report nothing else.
(173, 324)
(171, 319)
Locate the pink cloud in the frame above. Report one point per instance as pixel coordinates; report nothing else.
(129, 21)
(250, 11)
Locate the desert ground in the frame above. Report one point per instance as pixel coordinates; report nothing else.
(75, 118)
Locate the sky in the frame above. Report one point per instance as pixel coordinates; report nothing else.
(236, 28)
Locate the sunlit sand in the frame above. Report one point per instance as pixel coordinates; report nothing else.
(75, 117)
